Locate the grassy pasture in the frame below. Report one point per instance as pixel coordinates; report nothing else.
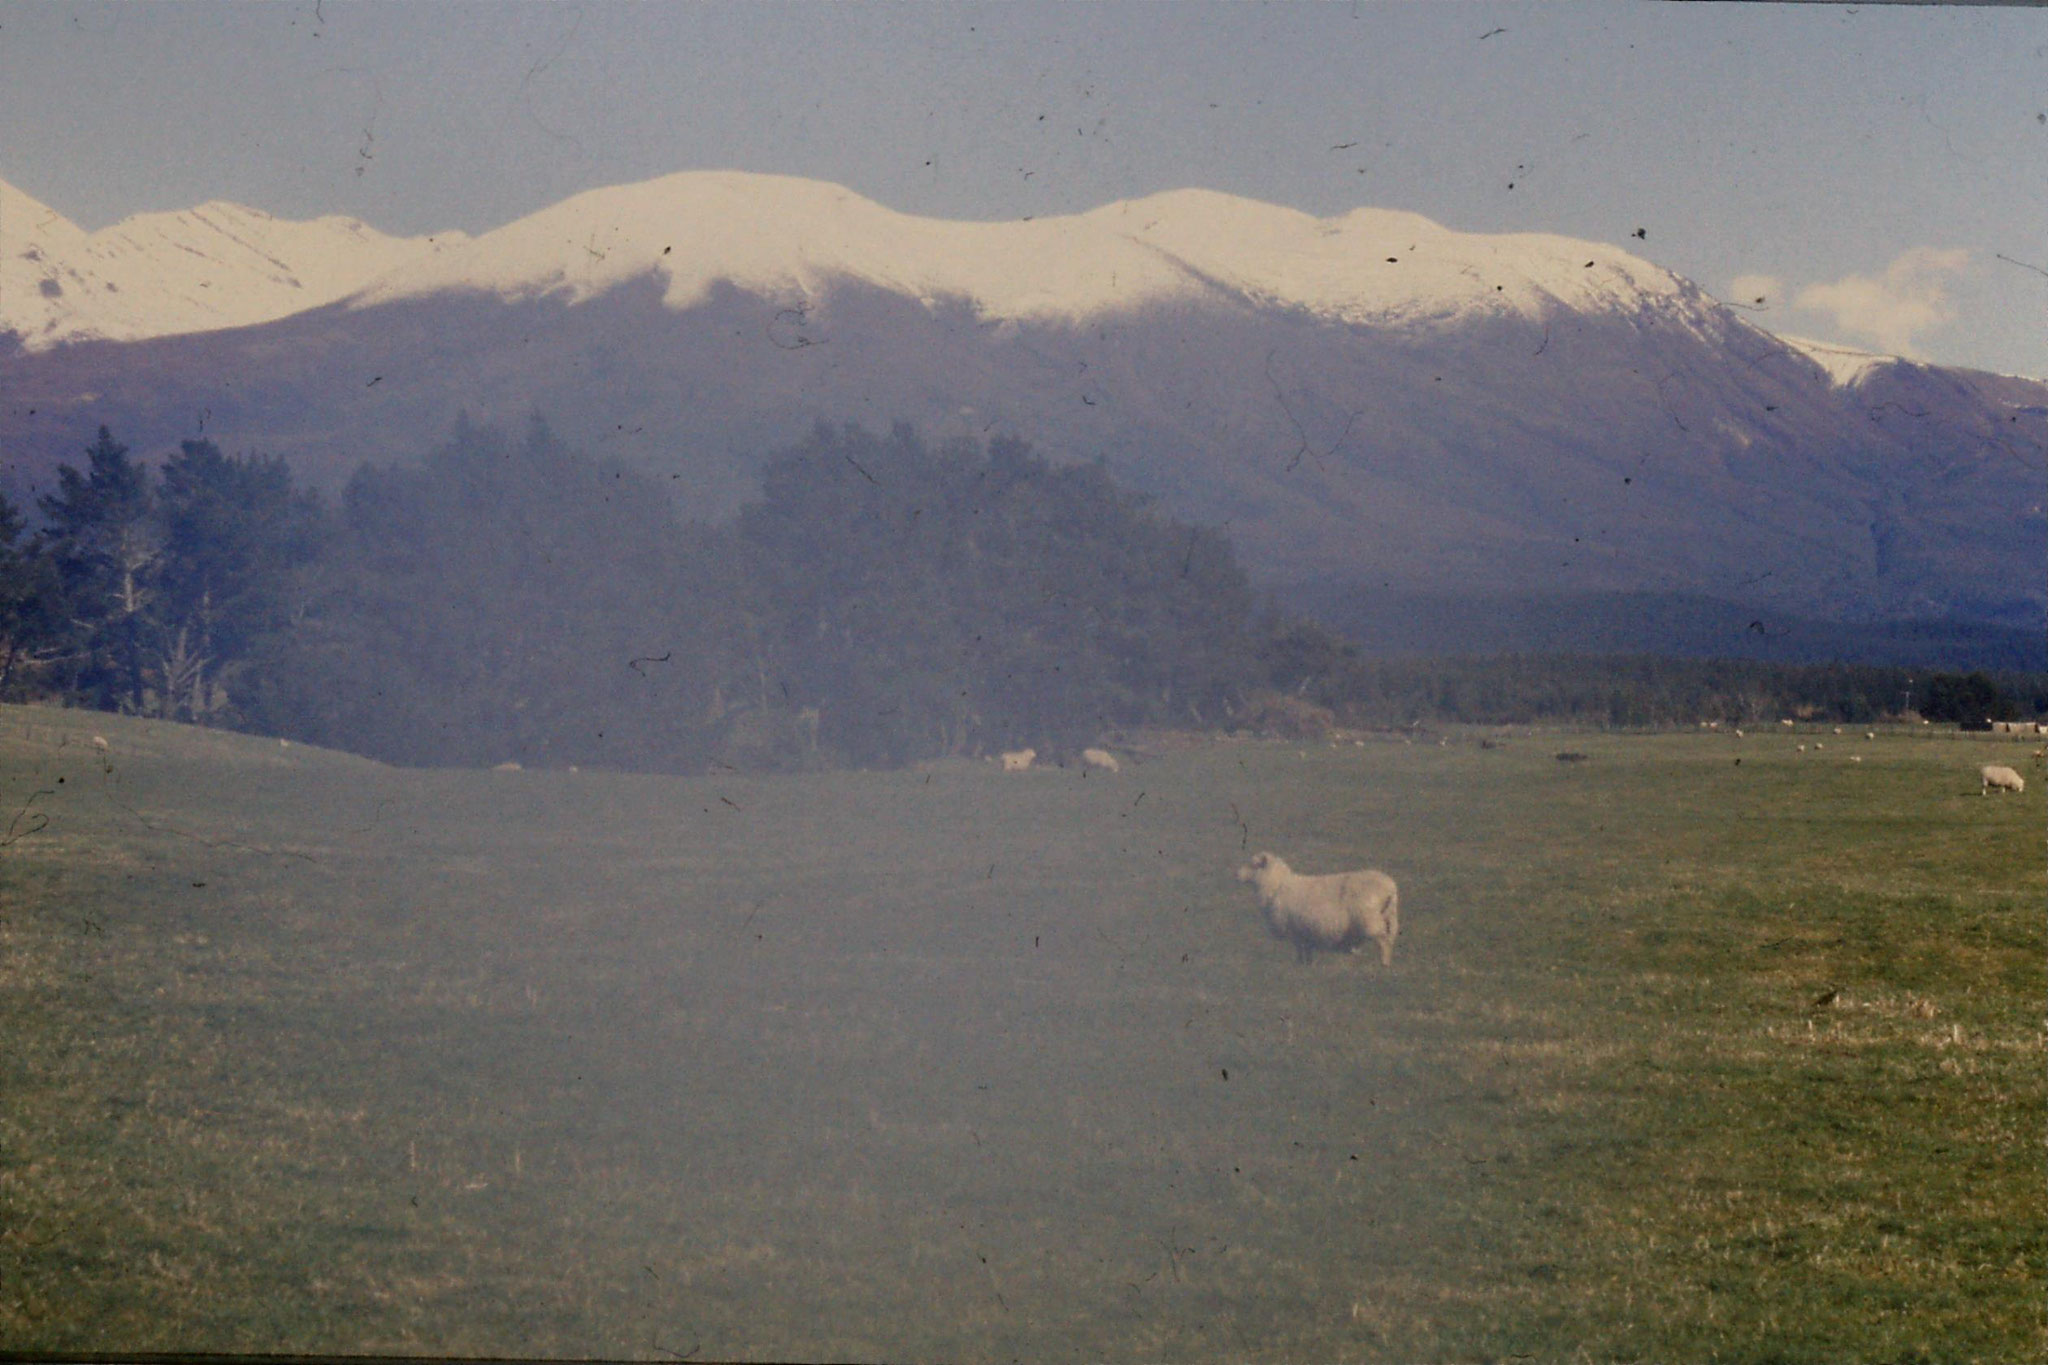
(306, 1053)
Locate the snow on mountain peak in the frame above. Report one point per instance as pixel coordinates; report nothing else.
(1382, 265)
(224, 265)
(217, 265)
(785, 236)
(1846, 366)
(788, 237)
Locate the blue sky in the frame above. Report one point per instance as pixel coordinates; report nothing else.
(1877, 174)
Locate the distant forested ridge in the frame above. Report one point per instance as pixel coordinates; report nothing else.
(882, 601)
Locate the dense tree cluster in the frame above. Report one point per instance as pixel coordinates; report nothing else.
(1637, 691)
(882, 601)
(513, 601)
(517, 601)
(958, 599)
(151, 595)
(1971, 699)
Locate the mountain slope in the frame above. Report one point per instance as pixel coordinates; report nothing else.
(1369, 400)
(156, 274)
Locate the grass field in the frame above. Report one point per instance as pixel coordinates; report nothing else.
(305, 1053)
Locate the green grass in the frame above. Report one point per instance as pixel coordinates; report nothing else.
(305, 1053)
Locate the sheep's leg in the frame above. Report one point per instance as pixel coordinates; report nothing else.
(1387, 951)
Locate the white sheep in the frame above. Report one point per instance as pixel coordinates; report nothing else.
(1340, 910)
(99, 742)
(1999, 776)
(1100, 758)
(1017, 760)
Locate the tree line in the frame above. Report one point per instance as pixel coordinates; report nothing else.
(883, 600)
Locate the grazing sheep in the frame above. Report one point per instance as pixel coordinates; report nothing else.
(1100, 758)
(1870, 734)
(1017, 760)
(1341, 910)
(1802, 748)
(506, 767)
(1738, 733)
(1788, 724)
(1999, 776)
(100, 742)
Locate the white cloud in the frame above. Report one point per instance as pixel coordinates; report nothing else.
(1889, 310)
(1756, 291)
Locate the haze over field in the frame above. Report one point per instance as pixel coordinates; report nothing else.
(643, 648)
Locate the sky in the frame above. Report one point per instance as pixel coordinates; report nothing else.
(1870, 175)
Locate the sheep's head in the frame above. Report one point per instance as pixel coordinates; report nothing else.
(1251, 870)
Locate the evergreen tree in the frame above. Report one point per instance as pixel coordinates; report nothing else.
(958, 599)
(104, 543)
(517, 602)
(1967, 699)
(31, 608)
(234, 533)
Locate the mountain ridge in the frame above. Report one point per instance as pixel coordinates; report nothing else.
(771, 234)
(765, 232)
(216, 265)
(1519, 413)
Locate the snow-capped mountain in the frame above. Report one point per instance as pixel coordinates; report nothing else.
(1370, 402)
(789, 239)
(160, 274)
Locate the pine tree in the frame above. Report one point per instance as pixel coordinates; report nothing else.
(31, 607)
(234, 533)
(958, 599)
(104, 543)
